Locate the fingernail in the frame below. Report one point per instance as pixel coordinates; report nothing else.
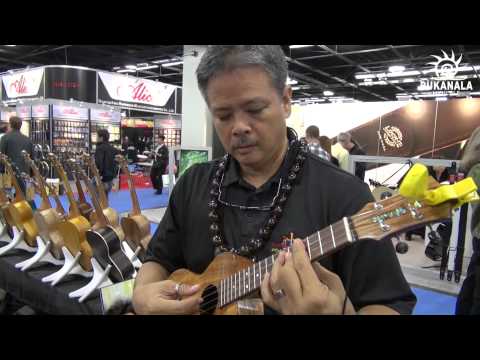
(195, 287)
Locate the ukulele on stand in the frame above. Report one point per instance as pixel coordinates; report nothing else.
(229, 278)
(74, 229)
(6, 218)
(46, 217)
(105, 239)
(20, 209)
(109, 212)
(58, 204)
(136, 226)
(83, 206)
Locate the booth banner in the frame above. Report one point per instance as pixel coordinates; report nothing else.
(168, 122)
(67, 83)
(70, 112)
(135, 93)
(24, 111)
(105, 115)
(40, 111)
(22, 85)
(6, 113)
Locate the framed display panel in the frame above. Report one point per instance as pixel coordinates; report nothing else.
(70, 130)
(108, 120)
(169, 126)
(24, 112)
(40, 129)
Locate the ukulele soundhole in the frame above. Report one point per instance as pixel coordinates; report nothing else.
(210, 300)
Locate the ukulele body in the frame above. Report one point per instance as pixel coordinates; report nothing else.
(111, 215)
(107, 250)
(47, 221)
(84, 208)
(73, 233)
(137, 232)
(23, 216)
(222, 266)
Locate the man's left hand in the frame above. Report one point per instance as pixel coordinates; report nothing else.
(297, 287)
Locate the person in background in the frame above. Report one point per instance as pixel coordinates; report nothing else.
(141, 145)
(105, 160)
(345, 139)
(3, 130)
(12, 144)
(326, 144)
(312, 136)
(340, 154)
(125, 144)
(160, 163)
(468, 300)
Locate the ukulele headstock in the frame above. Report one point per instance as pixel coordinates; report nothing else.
(395, 215)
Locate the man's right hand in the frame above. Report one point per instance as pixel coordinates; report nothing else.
(161, 298)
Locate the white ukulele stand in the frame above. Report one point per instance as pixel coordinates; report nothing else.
(43, 255)
(132, 255)
(18, 242)
(3, 230)
(70, 267)
(99, 279)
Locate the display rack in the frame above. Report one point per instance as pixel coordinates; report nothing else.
(70, 130)
(24, 112)
(170, 127)
(40, 131)
(105, 119)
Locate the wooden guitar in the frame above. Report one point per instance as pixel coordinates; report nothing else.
(74, 229)
(46, 217)
(20, 209)
(109, 212)
(105, 239)
(6, 218)
(230, 278)
(136, 226)
(83, 206)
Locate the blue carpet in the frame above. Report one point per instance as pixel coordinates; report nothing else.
(121, 202)
(433, 303)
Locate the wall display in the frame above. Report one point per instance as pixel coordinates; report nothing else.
(105, 119)
(25, 84)
(135, 93)
(40, 132)
(24, 112)
(67, 83)
(70, 130)
(169, 126)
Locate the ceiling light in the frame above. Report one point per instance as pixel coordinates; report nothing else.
(299, 46)
(148, 67)
(291, 81)
(295, 88)
(328, 93)
(364, 76)
(408, 80)
(116, 68)
(403, 73)
(10, 45)
(127, 71)
(441, 98)
(133, 67)
(142, 64)
(173, 63)
(161, 61)
(396, 68)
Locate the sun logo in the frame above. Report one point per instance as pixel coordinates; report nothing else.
(446, 67)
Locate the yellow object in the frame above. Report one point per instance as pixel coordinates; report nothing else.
(341, 154)
(415, 186)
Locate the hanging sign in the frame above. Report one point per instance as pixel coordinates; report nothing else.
(70, 112)
(135, 93)
(40, 111)
(105, 115)
(24, 84)
(24, 111)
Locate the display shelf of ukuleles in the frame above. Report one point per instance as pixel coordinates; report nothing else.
(88, 241)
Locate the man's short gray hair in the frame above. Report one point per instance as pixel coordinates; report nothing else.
(219, 58)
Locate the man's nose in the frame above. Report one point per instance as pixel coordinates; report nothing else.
(241, 125)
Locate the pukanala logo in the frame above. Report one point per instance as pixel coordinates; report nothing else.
(446, 68)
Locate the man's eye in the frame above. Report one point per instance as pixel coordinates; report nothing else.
(224, 117)
(256, 110)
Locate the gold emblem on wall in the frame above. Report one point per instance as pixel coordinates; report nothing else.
(392, 137)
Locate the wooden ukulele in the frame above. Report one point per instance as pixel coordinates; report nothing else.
(74, 229)
(46, 217)
(136, 226)
(230, 278)
(83, 206)
(20, 209)
(58, 204)
(6, 218)
(105, 240)
(109, 212)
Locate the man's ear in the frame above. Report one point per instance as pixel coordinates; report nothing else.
(287, 101)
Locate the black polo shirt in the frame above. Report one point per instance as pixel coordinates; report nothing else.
(324, 194)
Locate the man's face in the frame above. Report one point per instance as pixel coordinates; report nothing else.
(344, 143)
(248, 114)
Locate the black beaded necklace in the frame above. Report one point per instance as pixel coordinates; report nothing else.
(263, 235)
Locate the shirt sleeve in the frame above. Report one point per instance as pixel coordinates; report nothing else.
(370, 270)
(166, 248)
